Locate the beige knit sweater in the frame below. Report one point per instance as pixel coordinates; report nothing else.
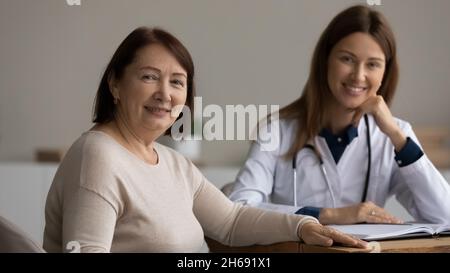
(108, 200)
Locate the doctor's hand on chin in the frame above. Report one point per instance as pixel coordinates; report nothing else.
(366, 212)
(316, 234)
(377, 107)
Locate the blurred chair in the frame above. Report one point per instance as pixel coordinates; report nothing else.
(14, 240)
(436, 144)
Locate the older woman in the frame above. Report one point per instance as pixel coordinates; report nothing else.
(118, 190)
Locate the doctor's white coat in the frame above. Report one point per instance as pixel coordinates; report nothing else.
(266, 180)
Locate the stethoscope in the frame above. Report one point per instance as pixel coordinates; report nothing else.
(324, 171)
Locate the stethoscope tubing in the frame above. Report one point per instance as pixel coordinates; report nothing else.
(324, 171)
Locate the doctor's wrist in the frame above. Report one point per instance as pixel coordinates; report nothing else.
(398, 139)
(327, 215)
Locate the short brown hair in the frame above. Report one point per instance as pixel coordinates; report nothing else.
(104, 107)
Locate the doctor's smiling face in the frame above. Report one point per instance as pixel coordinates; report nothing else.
(356, 67)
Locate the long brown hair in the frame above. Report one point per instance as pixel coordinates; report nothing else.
(309, 109)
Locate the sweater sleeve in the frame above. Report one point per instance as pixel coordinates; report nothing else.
(237, 225)
(92, 201)
(90, 221)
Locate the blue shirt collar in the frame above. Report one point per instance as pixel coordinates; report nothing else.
(338, 143)
(346, 138)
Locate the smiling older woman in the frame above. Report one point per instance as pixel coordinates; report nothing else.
(118, 190)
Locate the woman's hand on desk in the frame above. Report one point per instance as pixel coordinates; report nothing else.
(366, 212)
(316, 234)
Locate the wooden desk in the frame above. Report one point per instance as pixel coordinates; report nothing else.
(422, 245)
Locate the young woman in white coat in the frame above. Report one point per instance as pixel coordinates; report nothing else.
(341, 154)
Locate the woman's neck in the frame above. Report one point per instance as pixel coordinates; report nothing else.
(338, 119)
(122, 132)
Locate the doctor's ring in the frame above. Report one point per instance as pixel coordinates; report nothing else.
(372, 213)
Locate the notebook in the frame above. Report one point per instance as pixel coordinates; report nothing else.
(371, 232)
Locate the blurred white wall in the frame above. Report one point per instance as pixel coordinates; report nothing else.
(246, 52)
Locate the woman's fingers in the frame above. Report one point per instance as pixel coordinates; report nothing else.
(317, 234)
(357, 117)
(345, 239)
(312, 234)
(379, 215)
(383, 219)
(365, 107)
(322, 240)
